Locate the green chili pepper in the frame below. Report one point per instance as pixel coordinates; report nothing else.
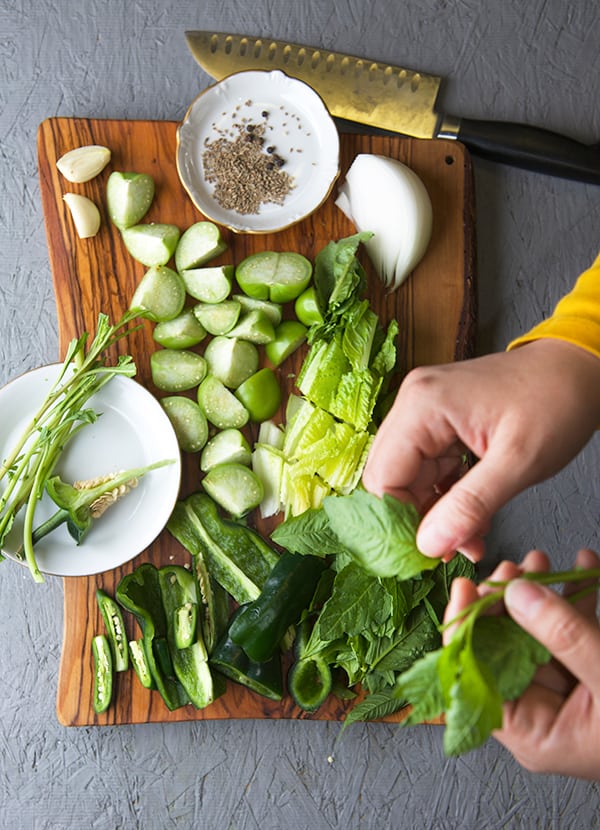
(231, 660)
(103, 673)
(287, 592)
(178, 589)
(139, 593)
(139, 661)
(115, 629)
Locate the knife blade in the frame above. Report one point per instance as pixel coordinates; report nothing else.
(395, 99)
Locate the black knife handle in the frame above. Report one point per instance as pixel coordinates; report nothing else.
(529, 147)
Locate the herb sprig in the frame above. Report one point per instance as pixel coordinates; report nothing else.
(31, 461)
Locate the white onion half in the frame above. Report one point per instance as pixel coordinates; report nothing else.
(382, 195)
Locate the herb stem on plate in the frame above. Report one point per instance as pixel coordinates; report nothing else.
(32, 459)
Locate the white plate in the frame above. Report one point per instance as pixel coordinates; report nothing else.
(132, 431)
(298, 125)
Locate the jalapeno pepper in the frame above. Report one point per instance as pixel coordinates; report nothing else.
(115, 629)
(287, 591)
(103, 673)
(232, 661)
(139, 592)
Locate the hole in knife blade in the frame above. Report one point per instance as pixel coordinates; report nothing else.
(243, 46)
(344, 65)
(301, 56)
(315, 59)
(287, 52)
(214, 43)
(257, 48)
(228, 45)
(329, 62)
(387, 74)
(272, 51)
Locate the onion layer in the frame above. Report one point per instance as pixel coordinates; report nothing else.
(382, 195)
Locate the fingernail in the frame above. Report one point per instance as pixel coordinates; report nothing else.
(524, 597)
(433, 543)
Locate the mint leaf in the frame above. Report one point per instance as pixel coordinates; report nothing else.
(379, 533)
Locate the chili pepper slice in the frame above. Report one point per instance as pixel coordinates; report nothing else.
(139, 661)
(287, 591)
(103, 673)
(309, 683)
(115, 629)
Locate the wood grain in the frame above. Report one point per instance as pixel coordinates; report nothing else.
(435, 308)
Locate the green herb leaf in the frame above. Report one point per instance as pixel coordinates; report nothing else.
(309, 534)
(379, 533)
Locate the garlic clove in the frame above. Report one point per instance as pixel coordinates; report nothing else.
(85, 214)
(83, 163)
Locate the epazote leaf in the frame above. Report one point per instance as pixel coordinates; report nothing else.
(380, 533)
(511, 654)
(420, 687)
(475, 705)
(418, 635)
(374, 707)
(357, 602)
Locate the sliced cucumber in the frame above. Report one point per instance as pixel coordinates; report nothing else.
(231, 360)
(210, 285)
(199, 243)
(271, 310)
(219, 318)
(220, 406)
(181, 332)
(236, 488)
(174, 370)
(226, 447)
(152, 244)
(160, 294)
(128, 197)
(188, 420)
(254, 326)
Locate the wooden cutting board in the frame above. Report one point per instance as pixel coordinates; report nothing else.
(436, 309)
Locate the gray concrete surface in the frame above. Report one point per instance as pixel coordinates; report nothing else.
(538, 62)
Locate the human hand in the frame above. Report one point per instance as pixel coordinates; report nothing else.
(554, 727)
(524, 414)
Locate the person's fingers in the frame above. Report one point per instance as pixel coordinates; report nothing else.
(566, 633)
(463, 592)
(469, 505)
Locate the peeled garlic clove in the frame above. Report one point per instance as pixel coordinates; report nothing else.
(83, 163)
(85, 214)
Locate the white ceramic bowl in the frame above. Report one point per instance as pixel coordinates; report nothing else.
(132, 431)
(296, 124)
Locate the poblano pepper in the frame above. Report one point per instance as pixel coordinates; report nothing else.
(287, 592)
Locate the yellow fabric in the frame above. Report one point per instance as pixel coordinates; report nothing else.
(576, 318)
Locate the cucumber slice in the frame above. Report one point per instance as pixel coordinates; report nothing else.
(231, 360)
(220, 406)
(279, 277)
(198, 244)
(128, 197)
(226, 447)
(260, 394)
(181, 332)
(152, 244)
(254, 326)
(160, 294)
(234, 487)
(174, 370)
(271, 310)
(220, 318)
(188, 420)
(211, 285)
(289, 336)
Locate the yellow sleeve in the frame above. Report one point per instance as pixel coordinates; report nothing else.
(576, 318)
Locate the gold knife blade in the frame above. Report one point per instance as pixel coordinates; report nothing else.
(381, 95)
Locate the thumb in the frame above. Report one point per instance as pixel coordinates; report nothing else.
(571, 638)
(460, 514)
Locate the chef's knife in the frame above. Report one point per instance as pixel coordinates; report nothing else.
(397, 100)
